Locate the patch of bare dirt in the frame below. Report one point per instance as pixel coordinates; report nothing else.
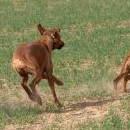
(90, 27)
(26, 127)
(4, 31)
(17, 5)
(85, 64)
(73, 114)
(26, 31)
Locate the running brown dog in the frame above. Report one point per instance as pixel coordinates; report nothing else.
(125, 73)
(34, 58)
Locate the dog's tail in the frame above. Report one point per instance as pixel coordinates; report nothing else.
(124, 63)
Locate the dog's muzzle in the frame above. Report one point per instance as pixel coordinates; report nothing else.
(61, 45)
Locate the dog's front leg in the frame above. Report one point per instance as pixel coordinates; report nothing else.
(50, 78)
(51, 85)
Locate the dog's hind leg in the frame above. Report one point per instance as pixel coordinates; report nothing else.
(126, 78)
(51, 85)
(24, 77)
(36, 79)
(118, 78)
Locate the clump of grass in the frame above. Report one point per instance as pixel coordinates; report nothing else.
(125, 107)
(13, 114)
(111, 122)
(52, 108)
(90, 125)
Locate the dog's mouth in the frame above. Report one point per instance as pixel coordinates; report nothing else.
(60, 46)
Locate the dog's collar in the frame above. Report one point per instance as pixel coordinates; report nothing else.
(52, 42)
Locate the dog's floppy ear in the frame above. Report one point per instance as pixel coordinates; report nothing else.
(41, 29)
(56, 32)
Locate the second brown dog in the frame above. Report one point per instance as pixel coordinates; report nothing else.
(125, 73)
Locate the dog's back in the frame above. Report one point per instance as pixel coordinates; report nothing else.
(30, 55)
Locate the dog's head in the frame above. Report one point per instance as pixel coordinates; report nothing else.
(57, 43)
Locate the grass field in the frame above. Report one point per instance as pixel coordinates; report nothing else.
(97, 37)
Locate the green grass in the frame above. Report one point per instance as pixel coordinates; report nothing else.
(90, 30)
(111, 122)
(17, 114)
(96, 36)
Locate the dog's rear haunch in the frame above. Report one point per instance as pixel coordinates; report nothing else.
(34, 58)
(125, 73)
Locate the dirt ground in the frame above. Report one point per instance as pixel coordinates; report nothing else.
(73, 113)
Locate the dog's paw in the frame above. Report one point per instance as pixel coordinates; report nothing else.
(36, 98)
(59, 105)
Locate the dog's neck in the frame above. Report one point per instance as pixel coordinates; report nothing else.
(47, 41)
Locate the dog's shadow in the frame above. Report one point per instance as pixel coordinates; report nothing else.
(12, 108)
(93, 103)
(84, 104)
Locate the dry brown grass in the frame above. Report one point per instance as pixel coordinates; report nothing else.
(73, 114)
(76, 111)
